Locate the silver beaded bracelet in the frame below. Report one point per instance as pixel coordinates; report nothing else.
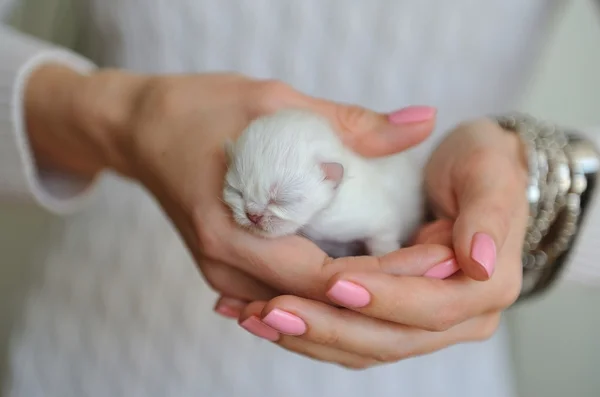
(562, 171)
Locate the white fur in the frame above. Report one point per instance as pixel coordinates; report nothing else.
(275, 168)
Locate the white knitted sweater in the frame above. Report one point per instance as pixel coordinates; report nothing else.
(118, 308)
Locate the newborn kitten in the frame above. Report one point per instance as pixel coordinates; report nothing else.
(290, 173)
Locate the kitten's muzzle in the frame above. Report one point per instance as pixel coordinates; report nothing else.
(254, 218)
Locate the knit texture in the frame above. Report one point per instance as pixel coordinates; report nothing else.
(117, 307)
(19, 177)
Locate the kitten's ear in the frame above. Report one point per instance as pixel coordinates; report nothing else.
(228, 147)
(334, 172)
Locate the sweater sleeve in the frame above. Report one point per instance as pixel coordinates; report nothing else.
(20, 178)
(583, 262)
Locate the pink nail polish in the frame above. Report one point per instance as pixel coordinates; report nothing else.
(443, 270)
(483, 251)
(285, 322)
(227, 311)
(229, 307)
(349, 294)
(253, 325)
(412, 114)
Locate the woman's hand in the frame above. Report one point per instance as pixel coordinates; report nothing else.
(476, 180)
(383, 317)
(167, 132)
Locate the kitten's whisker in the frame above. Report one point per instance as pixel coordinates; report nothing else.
(226, 215)
(222, 200)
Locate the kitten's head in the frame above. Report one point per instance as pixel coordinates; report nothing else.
(275, 184)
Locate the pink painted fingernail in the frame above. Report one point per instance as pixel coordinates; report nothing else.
(443, 270)
(412, 114)
(229, 307)
(227, 311)
(483, 251)
(285, 322)
(349, 294)
(253, 325)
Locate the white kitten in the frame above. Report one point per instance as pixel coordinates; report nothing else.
(289, 173)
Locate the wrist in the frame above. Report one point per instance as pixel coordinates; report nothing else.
(513, 147)
(561, 176)
(76, 122)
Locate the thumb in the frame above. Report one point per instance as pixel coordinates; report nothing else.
(487, 203)
(373, 134)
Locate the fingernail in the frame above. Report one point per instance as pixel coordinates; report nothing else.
(483, 251)
(229, 307)
(253, 325)
(349, 294)
(412, 114)
(285, 322)
(443, 270)
(227, 311)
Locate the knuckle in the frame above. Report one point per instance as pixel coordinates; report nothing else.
(389, 356)
(447, 316)
(281, 302)
(272, 94)
(329, 336)
(441, 324)
(352, 117)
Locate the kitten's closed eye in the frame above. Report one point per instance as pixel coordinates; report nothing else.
(233, 190)
(288, 199)
(284, 196)
(281, 201)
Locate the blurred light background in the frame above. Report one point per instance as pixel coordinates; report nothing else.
(554, 340)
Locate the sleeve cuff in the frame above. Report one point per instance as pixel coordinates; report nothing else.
(20, 178)
(584, 265)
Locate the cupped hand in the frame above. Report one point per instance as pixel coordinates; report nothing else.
(477, 177)
(476, 181)
(385, 317)
(167, 132)
(174, 147)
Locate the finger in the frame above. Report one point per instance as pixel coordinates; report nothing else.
(299, 267)
(437, 232)
(426, 303)
(491, 197)
(425, 231)
(365, 131)
(374, 134)
(328, 354)
(251, 320)
(230, 307)
(442, 237)
(429, 259)
(440, 232)
(235, 283)
(411, 344)
(356, 334)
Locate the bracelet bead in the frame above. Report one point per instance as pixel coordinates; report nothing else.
(555, 186)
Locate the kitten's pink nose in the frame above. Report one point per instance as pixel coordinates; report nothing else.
(254, 218)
